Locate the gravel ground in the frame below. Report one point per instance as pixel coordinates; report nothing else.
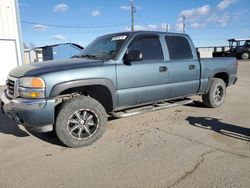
(188, 146)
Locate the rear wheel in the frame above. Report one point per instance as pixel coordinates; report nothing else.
(245, 55)
(80, 122)
(216, 94)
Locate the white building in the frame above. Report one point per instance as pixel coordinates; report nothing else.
(11, 46)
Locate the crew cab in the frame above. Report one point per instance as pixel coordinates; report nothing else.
(115, 72)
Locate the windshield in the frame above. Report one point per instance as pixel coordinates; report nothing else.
(104, 48)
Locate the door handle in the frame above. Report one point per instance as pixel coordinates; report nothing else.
(191, 67)
(163, 69)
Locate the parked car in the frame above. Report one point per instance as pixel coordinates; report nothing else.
(114, 73)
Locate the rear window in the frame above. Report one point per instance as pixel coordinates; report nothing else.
(179, 48)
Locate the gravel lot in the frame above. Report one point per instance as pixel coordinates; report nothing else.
(188, 146)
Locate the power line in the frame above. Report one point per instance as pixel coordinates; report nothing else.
(76, 27)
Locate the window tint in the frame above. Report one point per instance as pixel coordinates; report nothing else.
(178, 48)
(150, 47)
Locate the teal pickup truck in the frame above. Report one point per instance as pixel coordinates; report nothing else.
(114, 74)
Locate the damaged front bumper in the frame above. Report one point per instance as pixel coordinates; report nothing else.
(34, 114)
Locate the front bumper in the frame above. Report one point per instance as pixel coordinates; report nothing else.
(34, 114)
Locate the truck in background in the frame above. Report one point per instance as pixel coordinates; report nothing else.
(238, 47)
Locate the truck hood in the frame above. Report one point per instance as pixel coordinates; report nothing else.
(36, 69)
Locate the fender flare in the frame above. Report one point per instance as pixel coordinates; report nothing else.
(60, 87)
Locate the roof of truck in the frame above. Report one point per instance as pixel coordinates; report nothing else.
(146, 32)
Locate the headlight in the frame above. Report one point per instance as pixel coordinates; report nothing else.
(32, 87)
(32, 82)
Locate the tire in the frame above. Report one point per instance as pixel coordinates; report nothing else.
(216, 94)
(80, 122)
(245, 55)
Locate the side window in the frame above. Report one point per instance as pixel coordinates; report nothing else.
(179, 48)
(247, 43)
(150, 47)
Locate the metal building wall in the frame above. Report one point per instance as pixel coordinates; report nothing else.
(10, 37)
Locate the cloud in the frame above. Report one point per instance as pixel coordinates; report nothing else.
(150, 27)
(178, 27)
(124, 7)
(237, 15)
(39, 27)
(59, 37)
(128, 8)
(61, 8)
(96, 13)
(200, 17)
(221, 20)
(197, 25)
(196, 12)
(225, 4)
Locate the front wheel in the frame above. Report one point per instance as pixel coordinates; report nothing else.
(80, 122)
(216, 94)
(245, 55)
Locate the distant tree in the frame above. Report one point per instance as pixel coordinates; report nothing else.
(32, 45)
(25, 46)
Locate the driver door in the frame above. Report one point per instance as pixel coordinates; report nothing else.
(146, 80)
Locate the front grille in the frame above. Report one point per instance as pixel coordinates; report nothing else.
(11, 85)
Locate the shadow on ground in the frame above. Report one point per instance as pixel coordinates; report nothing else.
(197, 104)
(49, 137)
(234, 131)
(8, 126)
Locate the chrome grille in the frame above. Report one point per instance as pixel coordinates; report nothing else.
(11, 87)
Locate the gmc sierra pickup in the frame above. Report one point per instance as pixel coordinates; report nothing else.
(114, 73)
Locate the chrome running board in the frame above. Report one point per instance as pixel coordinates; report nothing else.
(150, 108)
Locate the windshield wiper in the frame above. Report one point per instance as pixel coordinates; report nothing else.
(87, 55)
(81, 56)
(75, 56)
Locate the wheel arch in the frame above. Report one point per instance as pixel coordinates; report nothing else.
(222, 75)
(102, 90)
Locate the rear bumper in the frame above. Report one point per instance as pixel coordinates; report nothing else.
(37, 115)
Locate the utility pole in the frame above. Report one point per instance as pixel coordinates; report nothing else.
(167, 28)
(132, 15)
(183, 24)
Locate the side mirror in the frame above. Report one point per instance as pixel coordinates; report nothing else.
(133, 55)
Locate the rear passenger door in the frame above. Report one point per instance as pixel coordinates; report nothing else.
(183, 67)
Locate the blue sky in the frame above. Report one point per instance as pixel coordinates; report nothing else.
(208, 22)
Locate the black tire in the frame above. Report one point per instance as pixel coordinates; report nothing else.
(80, 122)
(245, 55)
(216, 94)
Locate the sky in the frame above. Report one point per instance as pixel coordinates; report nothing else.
(208, 22)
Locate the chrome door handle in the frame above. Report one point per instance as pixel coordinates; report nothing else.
(163, 69)
(191, 67)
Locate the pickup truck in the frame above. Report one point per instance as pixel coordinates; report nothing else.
(115, 72)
